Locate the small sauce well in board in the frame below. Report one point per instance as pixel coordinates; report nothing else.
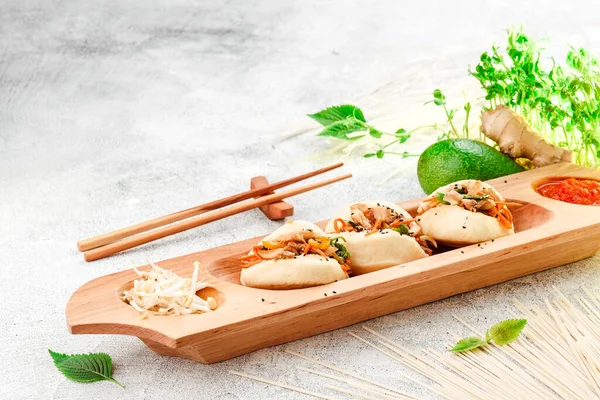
(584, 191)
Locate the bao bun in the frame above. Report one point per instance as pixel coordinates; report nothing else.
(379, 250)
(294, 273)
(455, 226)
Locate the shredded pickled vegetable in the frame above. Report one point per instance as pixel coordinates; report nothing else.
(162, 292)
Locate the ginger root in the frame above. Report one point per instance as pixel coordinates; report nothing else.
(517, 139)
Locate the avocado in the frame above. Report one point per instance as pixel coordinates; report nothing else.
(453, 160)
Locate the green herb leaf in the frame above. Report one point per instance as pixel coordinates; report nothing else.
(333, 114)
(472, 197)
(402, 135)
(342, 251)
(505, 332)
(341, 129)
(438, 97)
(84, 368)
(379, 153)
(375, 133)
(402, 229)
(468, 343)
(369, 155)
(440, 198)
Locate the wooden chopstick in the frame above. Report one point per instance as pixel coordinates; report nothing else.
(101, 240)
(128, 243)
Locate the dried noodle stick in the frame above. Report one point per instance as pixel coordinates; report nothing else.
(353, 394)
(281, 385)
(366, 388)
(348, 373)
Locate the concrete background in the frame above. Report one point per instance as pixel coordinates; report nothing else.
(115, 112)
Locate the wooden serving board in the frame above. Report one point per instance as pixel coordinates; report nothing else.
(549, 233)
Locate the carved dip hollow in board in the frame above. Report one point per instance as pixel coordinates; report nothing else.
(204, 293)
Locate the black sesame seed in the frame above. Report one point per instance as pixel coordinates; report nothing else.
(325, 294)
(462, 251)
(263, 300)
(464, 227)
(505, 181)
(334, 292)
(492, 240)
(478, 244)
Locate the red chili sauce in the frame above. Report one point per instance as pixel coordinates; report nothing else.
(571, 190)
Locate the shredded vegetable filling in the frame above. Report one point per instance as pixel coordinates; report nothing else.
(375, 219)
(162, 292)
(297, 244)
(472, 196)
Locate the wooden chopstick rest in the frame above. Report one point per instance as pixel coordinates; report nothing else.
(273, 211)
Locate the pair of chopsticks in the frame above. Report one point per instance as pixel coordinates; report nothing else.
(110, 243)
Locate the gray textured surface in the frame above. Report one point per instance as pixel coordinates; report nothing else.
(115, 112)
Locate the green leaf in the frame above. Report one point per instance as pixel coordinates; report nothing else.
(375, 133)
(338, 113)
(84, 368)
(402, 229)
(440, 198)
(472, 197)
(468, 343)
(437, 94)
(505, 332)
(341, 129)
(402, 135)
(380, 153)
(369, 155)
(342, 251)
(404, 139)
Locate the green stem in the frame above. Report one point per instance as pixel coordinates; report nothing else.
(117, 382)
(390, 143)
(450, 122)
(402, 154)
(434, 126)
